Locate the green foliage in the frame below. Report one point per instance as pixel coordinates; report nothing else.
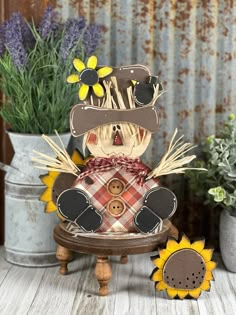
(37, 98)
(218, 185)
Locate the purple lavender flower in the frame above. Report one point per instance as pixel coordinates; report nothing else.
(16, 20)
(2, 39)
(48, 25)
(23, 30)
(73, 32)
(28, 37)
(14, 41)
(91, 38)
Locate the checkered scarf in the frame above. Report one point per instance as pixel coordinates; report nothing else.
(133, 166)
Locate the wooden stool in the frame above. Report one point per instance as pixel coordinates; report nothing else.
(104, 245)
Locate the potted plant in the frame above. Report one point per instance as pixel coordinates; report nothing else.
(34, 64)
(218, 186)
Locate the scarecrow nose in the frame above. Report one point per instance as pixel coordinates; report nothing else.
(117, 139)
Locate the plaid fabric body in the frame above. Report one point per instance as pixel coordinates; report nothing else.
(132, 196)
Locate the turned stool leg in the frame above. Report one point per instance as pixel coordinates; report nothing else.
(103, 274)
(124, 259)
(64, 256)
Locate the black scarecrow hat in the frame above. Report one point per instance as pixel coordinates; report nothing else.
(90, 115)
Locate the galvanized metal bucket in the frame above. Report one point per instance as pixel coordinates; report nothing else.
(228, 240)
(28, 229)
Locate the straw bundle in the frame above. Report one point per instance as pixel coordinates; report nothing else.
(173, 160)
(62, 163)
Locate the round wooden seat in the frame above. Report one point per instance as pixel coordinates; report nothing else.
(107, 244)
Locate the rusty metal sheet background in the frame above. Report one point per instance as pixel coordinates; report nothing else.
(191, 46)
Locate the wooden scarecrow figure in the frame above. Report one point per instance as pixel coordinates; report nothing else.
(115, 191)
(112, 191)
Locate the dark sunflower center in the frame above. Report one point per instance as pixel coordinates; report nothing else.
(89, 77)
(184, 269)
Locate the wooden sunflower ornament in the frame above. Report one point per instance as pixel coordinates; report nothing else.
(87, 76)
(183, 269)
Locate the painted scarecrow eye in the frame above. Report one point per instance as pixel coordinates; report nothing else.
(117, 127)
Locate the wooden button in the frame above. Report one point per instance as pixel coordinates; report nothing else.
(116, 207)
(115, 187)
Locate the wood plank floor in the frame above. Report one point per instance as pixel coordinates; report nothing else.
(43, 291)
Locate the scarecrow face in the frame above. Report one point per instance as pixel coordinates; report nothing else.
(121, 139)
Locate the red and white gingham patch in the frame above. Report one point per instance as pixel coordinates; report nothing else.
(132, 196)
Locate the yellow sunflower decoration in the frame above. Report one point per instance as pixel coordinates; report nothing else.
(56, 182)
(88, 77)
(183, 269)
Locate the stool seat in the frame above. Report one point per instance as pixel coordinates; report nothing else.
(107, 244)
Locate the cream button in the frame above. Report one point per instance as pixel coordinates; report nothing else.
(116, 207)
(115, 187)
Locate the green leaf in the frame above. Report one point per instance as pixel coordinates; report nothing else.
(218, 193)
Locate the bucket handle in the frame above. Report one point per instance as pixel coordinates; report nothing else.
(6, 168)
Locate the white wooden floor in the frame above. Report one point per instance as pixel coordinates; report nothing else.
(43, 291)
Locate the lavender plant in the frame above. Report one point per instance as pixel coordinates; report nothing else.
(34, 64)
(218, 185)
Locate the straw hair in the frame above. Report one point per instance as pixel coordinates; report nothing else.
(173, 160)
(62, 163)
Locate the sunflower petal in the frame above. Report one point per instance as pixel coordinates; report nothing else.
(157, 275)
(77, 158)
(103, 72)
(83, 92)
(159, 262)
(198, 245)
(73, 78)
(172, 246)
(172, 292)
(195, 293)
(210, 265)
(134, 82)
(47, 180)
(205, 285)
(182, 294)
(185, 242)
(208, 275)
(98, 90)
(46, 195)
(78, 64)
(161, 286)
(164, 254)
(50, 207)
(207, 254)
(53, 174)
(92, 62)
